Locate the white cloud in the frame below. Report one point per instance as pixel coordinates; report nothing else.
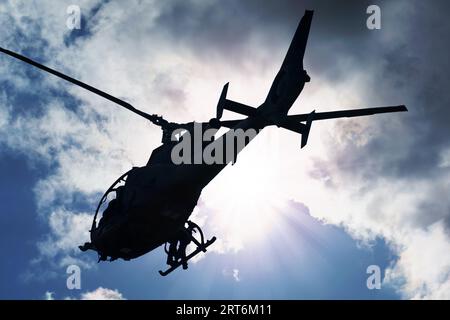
(98, 294)
(102, 294)
(49, 295)
(66, 229)
(423, 268)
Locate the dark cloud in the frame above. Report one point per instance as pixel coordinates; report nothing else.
(413, 71)
(234, 19)
(412, 68)
(226, 28)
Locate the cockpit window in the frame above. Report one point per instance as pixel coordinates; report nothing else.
(110, 203)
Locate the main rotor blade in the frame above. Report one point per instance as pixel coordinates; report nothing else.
(105, 95)
(349, 113)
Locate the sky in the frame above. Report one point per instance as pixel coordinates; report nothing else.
(291, 223)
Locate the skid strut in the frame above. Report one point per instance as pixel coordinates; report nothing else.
(180, 257)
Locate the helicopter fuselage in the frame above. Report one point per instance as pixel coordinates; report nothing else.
(157, 199)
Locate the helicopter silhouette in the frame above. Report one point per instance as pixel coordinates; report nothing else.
(150, 206)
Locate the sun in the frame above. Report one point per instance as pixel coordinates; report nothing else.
(245, 197)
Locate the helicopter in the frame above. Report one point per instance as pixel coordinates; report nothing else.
(148, 207)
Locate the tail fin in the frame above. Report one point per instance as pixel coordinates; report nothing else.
(305, 134)
(225, 104)
(222, 99)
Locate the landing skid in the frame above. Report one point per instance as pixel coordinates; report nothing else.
(190, 256)
(201, 247)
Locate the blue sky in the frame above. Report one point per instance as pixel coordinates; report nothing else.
(360, 194)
